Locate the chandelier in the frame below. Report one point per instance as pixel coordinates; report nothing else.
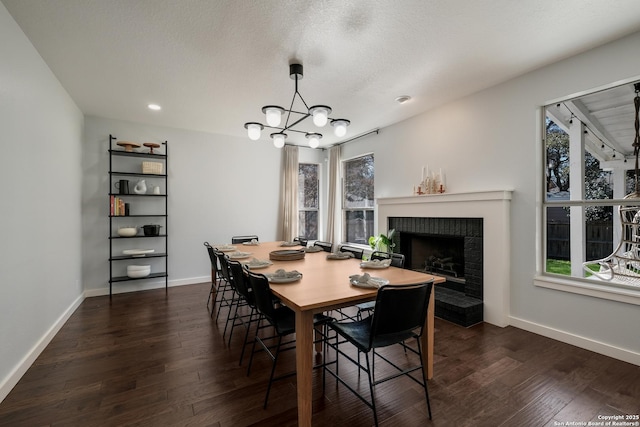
(273, 117)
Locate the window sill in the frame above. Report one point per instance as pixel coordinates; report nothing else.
(592, 288)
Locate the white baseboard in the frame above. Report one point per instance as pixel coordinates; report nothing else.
(12, 379)
(577, 340)
(117, 289)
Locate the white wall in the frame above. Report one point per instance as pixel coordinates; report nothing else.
(40, 214)
(492, 141)
(219, 186)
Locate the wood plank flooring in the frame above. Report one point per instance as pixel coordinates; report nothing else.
(157, 359)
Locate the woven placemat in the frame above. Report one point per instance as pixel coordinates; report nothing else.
(287, 255)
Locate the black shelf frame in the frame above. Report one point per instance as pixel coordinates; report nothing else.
(116, 258)
(127, 257)
(127, 278)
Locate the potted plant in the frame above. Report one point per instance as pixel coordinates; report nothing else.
(382, 243)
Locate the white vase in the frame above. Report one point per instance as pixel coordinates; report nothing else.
(141, 187)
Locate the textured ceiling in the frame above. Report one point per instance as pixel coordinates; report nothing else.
(212, 65)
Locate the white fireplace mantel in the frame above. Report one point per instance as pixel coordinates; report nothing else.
(494, 208)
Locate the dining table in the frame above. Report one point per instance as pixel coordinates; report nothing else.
(325, 286)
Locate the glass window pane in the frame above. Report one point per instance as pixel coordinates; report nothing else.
(308, 224)
(557, 162)
(308, 186)
(358, 183)
(358, 226)
(558, 240)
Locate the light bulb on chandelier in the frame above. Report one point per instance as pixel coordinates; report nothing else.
(314, 139)
(340, 127)
(273, 116)
(253, 130)
(278, 139)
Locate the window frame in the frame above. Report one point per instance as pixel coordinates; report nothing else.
(317, 209)
(571, 284)
(344, 210)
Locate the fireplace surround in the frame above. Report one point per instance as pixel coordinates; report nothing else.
(493, 208)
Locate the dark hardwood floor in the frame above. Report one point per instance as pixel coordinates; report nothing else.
(154, 359)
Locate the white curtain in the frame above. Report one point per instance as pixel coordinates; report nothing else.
(333, 190)
(289, 204)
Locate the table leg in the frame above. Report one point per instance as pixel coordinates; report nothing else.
(304, 366)
(427, 337)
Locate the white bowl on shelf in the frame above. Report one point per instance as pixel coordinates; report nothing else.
(138, 271)
(127, 231)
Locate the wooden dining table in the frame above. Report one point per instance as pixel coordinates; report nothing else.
(325, 286)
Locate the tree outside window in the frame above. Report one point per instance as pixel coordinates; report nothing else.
(308, 206)
(358, 199)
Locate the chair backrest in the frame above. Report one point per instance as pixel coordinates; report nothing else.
(357, 252)
(262, 295)
(397, 260)
(400, 311)
(240, 280)
(212, 256)
(326, 246)
(302, 240)
(224, 267)
(242, 239)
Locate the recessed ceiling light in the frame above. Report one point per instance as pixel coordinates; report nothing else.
(154, 107)
(402, 99)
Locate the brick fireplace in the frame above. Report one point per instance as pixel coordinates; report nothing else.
(489, 209)
(449, 247)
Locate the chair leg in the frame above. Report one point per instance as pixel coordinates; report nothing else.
(253, 348)
(246, 334)
(373, 399)
(233, 322)
(424, 378)
(273, 370)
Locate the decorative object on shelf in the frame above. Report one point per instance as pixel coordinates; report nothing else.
(151, 229)
(138, 271)
(137, 252)
(127, 231)
(151, 146)
(156, 189)
(152, 168)
(122, 186)
(382, 243)
(431, 183)
(128, 145)
(141, 187)
(273, 117)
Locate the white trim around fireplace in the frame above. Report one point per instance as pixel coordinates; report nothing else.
(494, 208)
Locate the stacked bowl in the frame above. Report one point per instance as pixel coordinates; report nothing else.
(138, 271)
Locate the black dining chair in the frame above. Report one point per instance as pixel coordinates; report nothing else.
(357, 252)
(243, 239)
(399, 315)
(240, 278)
(301, 240)
(283, 321)
(326, 246)
(397, 260)
(215, 277)
(234, 299)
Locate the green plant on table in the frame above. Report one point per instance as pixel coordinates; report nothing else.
(382, 242)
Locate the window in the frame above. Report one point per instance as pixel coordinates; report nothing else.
(589, 169)
(308, 200)
(357, 199)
